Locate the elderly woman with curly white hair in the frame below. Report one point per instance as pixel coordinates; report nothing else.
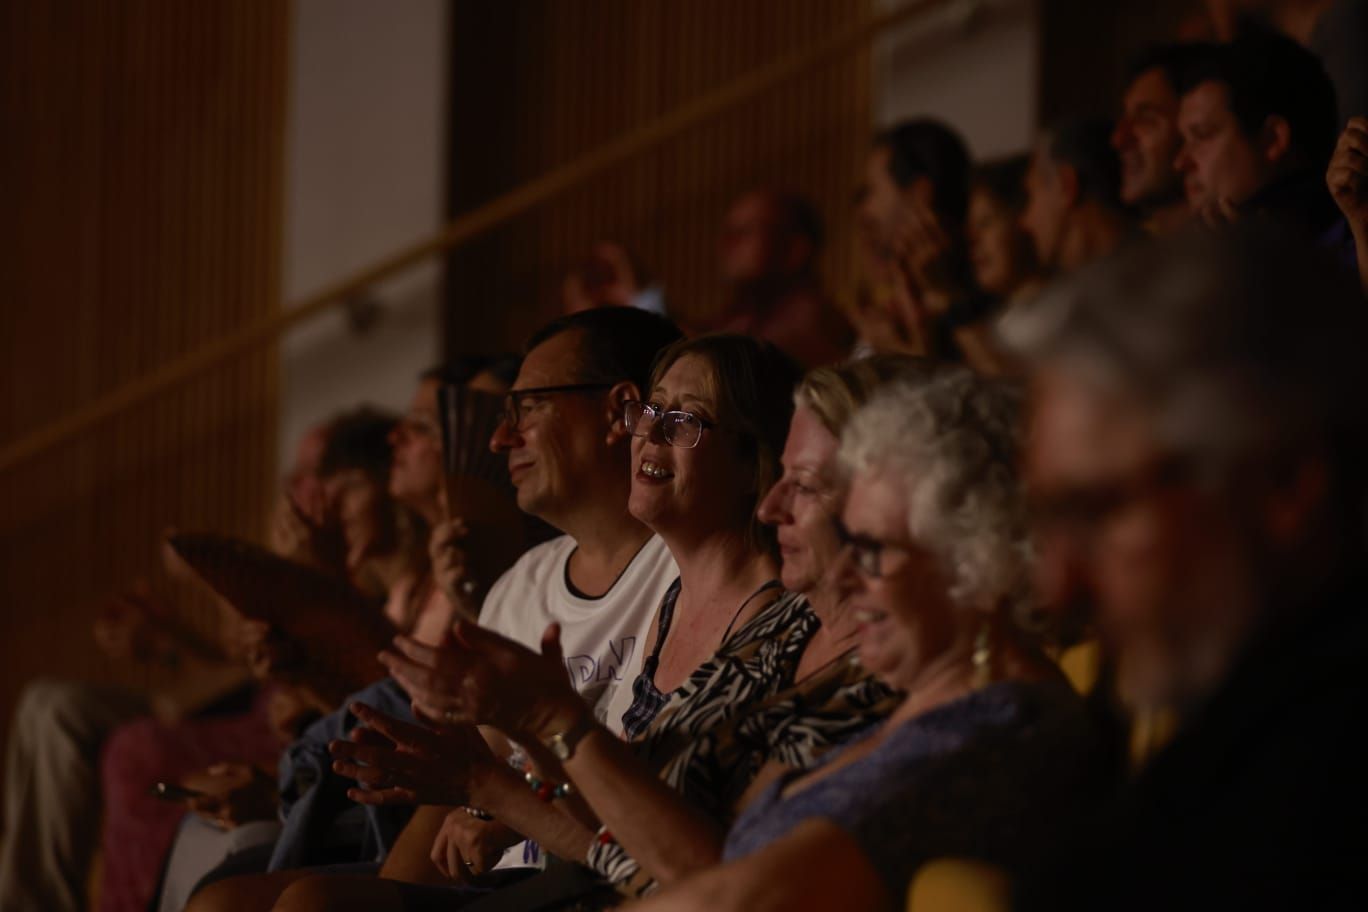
(989, 748)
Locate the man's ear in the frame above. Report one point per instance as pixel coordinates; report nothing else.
(1275, 139)
(623, 391)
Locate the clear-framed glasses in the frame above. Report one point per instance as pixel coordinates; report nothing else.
(517, 402)
(677, 428)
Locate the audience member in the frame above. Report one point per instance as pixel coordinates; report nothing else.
(52, 772)
(767, 256)
(1258, 124)
(1074, 212)
(1197, 457)
(1002, 256)
(912, 206)
(568, 451)
(1147, 138)
(989, 748)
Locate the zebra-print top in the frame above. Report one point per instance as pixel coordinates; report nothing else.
(741, 709)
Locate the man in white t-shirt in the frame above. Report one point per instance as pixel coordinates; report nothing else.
(569, 459)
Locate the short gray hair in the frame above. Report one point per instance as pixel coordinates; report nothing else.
(1239, 343)
(952, 441)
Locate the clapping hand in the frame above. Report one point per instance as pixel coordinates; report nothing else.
(481, 677)
(399, 762)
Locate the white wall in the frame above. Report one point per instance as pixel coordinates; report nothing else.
(365, 176)
(971, 63)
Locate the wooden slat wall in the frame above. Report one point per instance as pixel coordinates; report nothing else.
(141, 171)
(539, 82)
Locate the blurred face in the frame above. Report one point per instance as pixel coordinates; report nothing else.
(1147, 141)
(905, 615)
(361, 508)
(751, 246)
(879, 202)
(690, 492)
(1218, 161)
(1047, 208)
(416, 476)
(801, 505)
(1125, 539)
(558, 444)
(302, 484)
(997, 245)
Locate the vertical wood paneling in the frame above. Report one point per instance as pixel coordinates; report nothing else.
(143, 173)
(539, 82)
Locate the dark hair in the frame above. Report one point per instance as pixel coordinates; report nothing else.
(1176, 61)
(754, 383)
(616, 343)
(461, 368)
(358, 439)
(928, 148)
(1268, 74)
(1004, 180)
(1084, 144)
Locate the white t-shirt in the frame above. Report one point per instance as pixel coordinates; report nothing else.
(601, 637)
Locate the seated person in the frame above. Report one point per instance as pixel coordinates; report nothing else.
(1198, 449)
(1258, 124)
(54, 744)
(237, 802)
(1074, 212)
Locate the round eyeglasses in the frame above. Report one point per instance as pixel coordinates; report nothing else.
(677, 428)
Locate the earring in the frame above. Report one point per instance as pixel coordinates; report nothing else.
(983, 655)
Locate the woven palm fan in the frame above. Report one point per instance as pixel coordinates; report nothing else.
(476, 486)
(336, 629)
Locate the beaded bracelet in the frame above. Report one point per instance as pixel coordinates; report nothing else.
(545, 790)
(479, 814)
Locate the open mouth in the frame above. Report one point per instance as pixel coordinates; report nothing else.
(654, 471)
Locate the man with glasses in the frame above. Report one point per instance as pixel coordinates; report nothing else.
(567, 439)
(1198, 457)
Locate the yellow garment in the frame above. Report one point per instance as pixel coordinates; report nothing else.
(1082, 665)
(959, 885)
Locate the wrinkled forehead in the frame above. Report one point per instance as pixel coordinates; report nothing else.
(1080, 434)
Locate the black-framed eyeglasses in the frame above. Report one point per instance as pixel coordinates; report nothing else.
(517, 401)
(865, 551)
(677, 428)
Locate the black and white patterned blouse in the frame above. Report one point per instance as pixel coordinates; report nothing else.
(741, 709)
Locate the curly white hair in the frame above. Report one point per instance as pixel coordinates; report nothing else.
(952, 439)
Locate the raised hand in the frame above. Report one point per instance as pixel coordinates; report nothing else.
(481, 677)
(399, 762)
(1347, 176)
